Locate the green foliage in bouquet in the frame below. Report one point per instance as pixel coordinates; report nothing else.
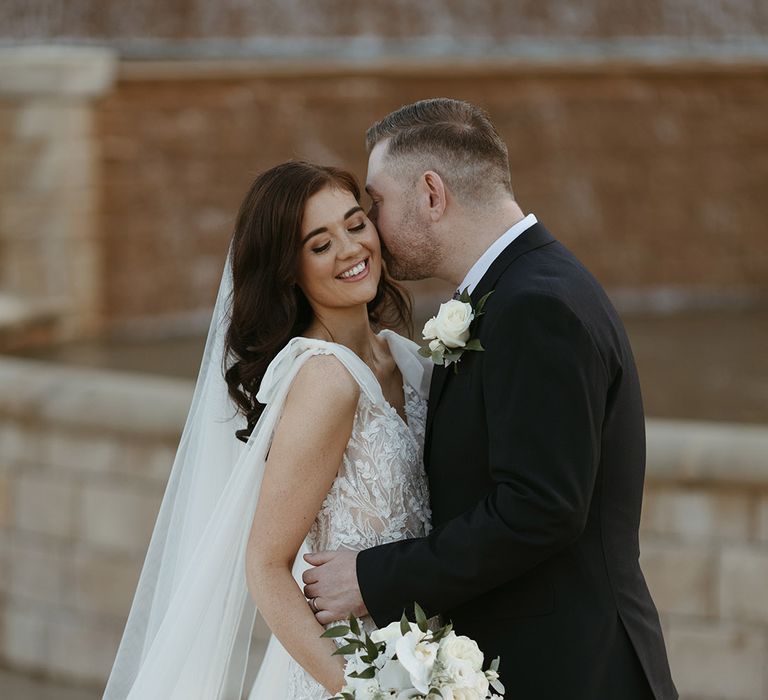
(372, 659)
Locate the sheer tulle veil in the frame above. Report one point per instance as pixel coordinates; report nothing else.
(189, 629)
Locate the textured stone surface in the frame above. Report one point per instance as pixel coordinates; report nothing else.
(117, 518)
(101, 583)
(45, 504)
(36, 572)
(682, 579)
(713, 661)
(762, 519)
(744, 584)
(82, 646)
(25, 635)
(345, 20)
(697, 514)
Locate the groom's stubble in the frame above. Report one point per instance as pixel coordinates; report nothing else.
(408, 245)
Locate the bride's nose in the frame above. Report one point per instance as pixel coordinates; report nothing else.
(350, 247)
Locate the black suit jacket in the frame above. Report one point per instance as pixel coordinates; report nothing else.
(535, 454)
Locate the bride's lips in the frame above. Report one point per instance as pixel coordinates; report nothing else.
(360, 275)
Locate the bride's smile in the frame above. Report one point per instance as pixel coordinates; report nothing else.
(340, 259)
(356, 272)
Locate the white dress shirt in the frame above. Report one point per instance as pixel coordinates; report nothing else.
(477, 270)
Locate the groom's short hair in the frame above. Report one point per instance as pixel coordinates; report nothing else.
(454, 138)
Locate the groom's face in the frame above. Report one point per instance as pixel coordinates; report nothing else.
(407, 245)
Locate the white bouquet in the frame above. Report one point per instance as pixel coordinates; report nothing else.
(408, 661)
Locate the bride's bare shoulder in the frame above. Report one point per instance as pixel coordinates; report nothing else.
(323, 379)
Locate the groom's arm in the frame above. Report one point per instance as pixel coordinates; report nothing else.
(545, 387)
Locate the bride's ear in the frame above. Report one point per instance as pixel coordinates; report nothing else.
(435, 191)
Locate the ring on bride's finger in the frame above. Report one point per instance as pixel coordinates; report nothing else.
(313, 605)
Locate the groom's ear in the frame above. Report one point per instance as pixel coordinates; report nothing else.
(436, 193)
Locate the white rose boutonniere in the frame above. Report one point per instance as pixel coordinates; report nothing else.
(450, 332)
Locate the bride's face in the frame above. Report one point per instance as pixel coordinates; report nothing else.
(340, 259)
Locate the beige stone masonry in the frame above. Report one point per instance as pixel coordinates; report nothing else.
(718, 660)
(744, 584)
(50, 268)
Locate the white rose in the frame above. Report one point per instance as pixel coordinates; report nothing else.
(389, 634)
(418, 658)
(452, 323)
(430, 330)
(362, 687)
(394, 676)
(457, 648)
(461, 694)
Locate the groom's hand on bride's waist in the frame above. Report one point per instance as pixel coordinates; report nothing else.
(331, 585)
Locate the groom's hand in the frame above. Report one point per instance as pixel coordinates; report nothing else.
(332, 583)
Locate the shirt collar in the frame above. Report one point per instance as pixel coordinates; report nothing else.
(477, 270)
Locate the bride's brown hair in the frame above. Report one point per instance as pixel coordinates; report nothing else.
(267, 306)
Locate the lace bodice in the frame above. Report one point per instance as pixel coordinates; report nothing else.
(380, 492)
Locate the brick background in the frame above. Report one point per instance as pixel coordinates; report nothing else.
(654, 177)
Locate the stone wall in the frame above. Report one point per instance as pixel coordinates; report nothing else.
(704, 551)
(84, 456)
(50, 256)
(378, 27)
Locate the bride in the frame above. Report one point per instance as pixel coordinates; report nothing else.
(330, 455)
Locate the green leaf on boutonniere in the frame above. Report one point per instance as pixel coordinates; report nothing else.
(354, 626)
(337, 631)
(474, 344)
(464, 297)
(481, 304)
(437, 357)
(425, 351)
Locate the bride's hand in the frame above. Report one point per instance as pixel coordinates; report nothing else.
(332, 585)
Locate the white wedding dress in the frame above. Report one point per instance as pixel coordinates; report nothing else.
(380, 493)
(188, 633)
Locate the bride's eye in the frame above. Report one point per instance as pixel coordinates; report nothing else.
(322, 248)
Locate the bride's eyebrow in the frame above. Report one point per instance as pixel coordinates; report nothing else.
(323, 229)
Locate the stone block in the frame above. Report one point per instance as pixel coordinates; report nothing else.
(744, 584)
(81, 453)
(118, 518)
(35, 572)
(6, 560)
(682, 579)
(6, 504)
(25, 636)
(45, 504)
(99, 453)
(19, 444)
(102, 584)
(47, 119)
(717, 661)
(696, 514)
(83, 647)
(762, 519)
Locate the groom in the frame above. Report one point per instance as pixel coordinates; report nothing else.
(535, 449)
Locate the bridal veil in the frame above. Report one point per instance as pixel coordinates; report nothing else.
(188, 633)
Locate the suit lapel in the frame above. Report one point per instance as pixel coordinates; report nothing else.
(534, 237)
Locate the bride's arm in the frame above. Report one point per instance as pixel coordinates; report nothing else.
(304, 458)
